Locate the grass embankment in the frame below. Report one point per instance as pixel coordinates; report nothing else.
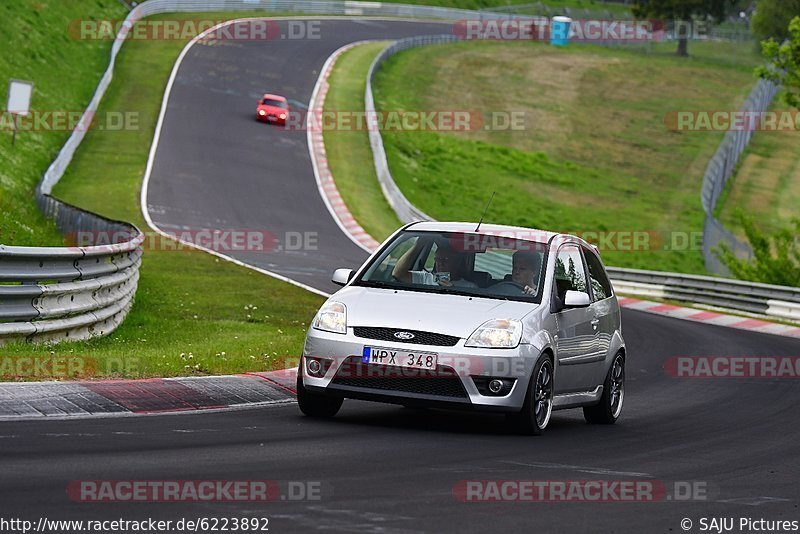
(766, 185)
(594, 155)
(35, 46)
(221, 317)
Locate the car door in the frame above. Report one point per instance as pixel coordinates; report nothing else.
(606, 311)
(577, 341)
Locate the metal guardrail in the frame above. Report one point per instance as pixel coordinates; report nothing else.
(763, 299)
(69, 293)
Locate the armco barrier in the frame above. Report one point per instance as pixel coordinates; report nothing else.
(51, 294)
(763, 299)
(62, 293)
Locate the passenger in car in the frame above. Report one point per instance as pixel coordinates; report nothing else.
(446, 261)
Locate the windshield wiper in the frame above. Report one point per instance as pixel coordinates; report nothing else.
(373, 283)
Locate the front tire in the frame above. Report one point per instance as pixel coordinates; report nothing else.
(315, 404)
(607, 411)
(538, 406)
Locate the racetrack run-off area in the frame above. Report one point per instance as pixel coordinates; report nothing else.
(384, 468)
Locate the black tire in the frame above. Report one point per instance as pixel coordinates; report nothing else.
(608, 410)
(315, 404)
(538, 406)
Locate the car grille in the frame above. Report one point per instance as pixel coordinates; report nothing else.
(420, 338)
(442, 383)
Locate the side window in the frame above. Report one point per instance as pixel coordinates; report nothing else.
(601, 287)
(570, 274)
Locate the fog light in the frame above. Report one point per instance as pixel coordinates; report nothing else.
(495, 386)
(314, 367)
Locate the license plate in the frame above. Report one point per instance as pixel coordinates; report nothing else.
(399, 358)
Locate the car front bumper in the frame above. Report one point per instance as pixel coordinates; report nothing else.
(458, 382)
(271, 119)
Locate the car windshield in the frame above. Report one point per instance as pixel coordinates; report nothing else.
(465, 263)
(275, 103)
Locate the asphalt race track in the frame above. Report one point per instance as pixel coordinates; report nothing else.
(386, 469)
(217, 167)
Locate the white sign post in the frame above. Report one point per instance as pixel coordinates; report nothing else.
(19, 102)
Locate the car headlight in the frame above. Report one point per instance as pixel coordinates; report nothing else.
(262, 112)
(496, 333)
(283, 115)
(332, 317)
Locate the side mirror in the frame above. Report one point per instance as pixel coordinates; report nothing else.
(342, 276)
(576, 299)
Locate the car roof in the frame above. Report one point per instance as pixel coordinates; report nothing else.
(274, 97)
(519, 232)
(485, 229)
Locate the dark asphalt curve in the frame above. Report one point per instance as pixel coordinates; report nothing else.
(218, 168)
(385, 469)
(382, 468)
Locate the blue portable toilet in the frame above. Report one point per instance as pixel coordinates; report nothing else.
(559, 30)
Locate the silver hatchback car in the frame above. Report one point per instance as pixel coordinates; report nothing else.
(459, 315)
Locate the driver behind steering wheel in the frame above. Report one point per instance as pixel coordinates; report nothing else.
(524, 273)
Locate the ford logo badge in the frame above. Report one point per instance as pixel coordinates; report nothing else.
(404, 335)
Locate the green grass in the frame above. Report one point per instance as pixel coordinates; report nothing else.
(349, 152)
(35, 46)
(188, 301)
(594, 155)
(766, 185)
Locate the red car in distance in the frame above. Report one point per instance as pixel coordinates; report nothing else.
(272, 109)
